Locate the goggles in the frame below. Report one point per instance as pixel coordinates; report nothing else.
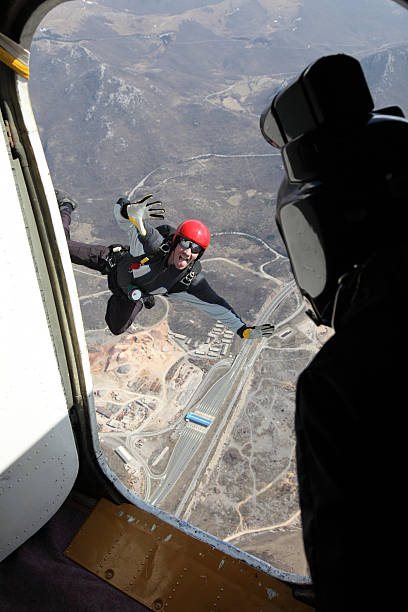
(185, 243)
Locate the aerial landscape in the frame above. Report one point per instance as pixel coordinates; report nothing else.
(134, 97)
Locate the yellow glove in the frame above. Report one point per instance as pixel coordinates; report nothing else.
(258, 331)
(141, 210)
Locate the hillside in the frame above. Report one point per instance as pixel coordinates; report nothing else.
(169, 94)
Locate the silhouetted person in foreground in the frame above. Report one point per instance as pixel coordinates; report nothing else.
(341, 210)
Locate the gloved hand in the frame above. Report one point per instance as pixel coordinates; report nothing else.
(141, 210)
(258, 331)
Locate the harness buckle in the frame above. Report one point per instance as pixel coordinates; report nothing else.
(165, 247)
(116, 251)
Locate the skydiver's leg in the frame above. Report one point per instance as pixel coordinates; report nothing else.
(121, 312)
(92, 256)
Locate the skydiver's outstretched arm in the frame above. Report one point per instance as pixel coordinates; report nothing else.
(201, 295)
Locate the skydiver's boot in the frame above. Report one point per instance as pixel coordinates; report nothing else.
(93, 256)
(65, 202)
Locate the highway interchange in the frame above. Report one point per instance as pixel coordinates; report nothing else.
(217, 403)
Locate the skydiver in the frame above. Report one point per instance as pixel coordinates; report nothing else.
(342, 213)
(164, 262)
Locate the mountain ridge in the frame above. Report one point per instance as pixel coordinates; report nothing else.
(123, 98)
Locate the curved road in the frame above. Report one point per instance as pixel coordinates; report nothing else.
(213, 404)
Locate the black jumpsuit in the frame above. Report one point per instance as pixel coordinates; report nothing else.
(154, 278)
(120, 311)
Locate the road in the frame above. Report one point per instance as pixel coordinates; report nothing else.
(212, 403)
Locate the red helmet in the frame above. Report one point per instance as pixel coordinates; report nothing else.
(194, 230)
